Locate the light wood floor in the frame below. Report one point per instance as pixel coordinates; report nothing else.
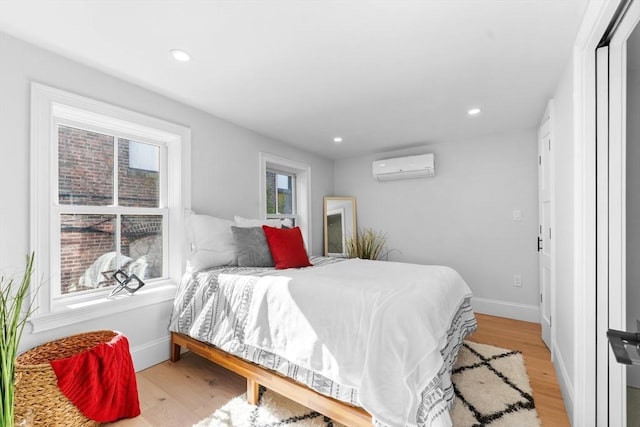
(182, 393)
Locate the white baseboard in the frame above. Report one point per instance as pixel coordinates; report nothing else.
(151, 353)
(566, 388)
(510, 310)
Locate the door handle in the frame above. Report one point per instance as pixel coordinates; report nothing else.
(539, 243)
(622, 344)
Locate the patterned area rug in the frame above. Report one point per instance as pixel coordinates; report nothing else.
(491, 385)
(492, 388)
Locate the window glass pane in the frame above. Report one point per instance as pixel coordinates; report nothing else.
(285, 194)
(271, 193)
(141, 245)
(279, 197)
(138, 174)
(85, 167)
(87, 252)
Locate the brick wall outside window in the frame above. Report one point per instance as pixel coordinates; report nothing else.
(85, 162)
(88, 241)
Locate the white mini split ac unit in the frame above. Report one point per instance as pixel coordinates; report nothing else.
(421, 166)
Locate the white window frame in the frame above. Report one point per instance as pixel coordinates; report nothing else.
(294, 208)
(302, 196)
(51, 107)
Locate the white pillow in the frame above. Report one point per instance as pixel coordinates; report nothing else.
(212, 242)
(277, 223)
(203, 259)
(189, 228)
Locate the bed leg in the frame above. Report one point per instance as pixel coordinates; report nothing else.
(253, 392)
(175, 352)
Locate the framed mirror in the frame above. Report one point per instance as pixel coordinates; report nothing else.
(339, 224)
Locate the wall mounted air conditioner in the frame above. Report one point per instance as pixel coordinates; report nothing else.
(421, 166)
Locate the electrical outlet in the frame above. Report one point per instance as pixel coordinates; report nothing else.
(517, 215)
(517, 280)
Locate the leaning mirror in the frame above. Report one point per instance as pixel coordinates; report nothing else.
(339, 224)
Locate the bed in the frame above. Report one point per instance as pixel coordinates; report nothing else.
(364, 342)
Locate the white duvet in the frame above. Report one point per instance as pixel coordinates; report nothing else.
(378, 327)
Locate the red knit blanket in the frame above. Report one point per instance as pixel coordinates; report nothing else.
(101, 382)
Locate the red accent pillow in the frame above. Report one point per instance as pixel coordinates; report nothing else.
(287, 247)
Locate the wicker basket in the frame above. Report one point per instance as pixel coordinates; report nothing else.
(37, 395)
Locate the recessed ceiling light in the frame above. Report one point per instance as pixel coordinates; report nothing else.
(180, 55)
(337, 140)
(473, 111)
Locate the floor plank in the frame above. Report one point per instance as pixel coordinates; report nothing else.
(182, 393)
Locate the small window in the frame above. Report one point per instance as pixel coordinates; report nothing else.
(280, 197)
(285, 189)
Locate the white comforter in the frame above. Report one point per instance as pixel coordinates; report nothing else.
(375, 326)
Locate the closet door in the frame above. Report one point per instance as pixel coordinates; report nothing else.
(545, 243)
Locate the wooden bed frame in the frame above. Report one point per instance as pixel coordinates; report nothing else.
(257, 375)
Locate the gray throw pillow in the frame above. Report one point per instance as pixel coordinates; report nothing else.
(252, 247)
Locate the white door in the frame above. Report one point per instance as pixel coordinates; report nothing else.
(544, 227)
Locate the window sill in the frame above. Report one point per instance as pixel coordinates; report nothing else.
(74, 313)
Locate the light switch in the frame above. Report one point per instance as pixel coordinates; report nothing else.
(517, 280)
(517, 215)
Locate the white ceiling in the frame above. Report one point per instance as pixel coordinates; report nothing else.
(380, 74)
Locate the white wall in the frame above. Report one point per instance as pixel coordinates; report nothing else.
(225, 178)
(563, 152)
(463, 217)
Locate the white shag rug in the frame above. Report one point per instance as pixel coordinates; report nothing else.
(491, 386)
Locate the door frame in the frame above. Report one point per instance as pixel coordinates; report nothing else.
(613, 307)
(617, 381)
(602, 233)
(589, 406)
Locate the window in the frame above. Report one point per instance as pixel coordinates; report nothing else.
(110, 214)
(108, 193)
(281, 195)
(285, 187)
